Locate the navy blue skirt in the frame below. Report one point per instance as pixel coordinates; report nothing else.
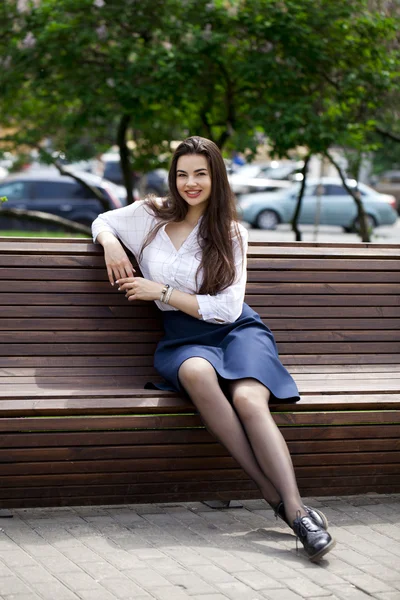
(239, 350)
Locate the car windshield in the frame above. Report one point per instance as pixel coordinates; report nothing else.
(249, 171)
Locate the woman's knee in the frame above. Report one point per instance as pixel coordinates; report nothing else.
(196, 371)
(250, 403)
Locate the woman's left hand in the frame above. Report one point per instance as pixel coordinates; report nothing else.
(138, 288)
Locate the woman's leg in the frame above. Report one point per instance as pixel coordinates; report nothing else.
(199, 379)
(250, 399)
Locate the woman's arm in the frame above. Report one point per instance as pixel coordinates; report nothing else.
(138, 288)
(117, 262)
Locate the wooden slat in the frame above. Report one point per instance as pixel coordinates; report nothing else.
(303, 473)
(255, 286)
(13, 275)
(189, 450)
(126, 380)
(106, 337)
(88, 403)
(131, 388)
(192, 463)
(10, 441)
(126, 422)
(322, 265)
(310, 371)
(266, 312)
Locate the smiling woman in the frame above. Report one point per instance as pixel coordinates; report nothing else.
(216, 349)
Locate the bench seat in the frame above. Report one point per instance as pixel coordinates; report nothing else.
(77, 427)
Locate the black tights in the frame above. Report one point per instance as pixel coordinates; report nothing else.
(249, 434)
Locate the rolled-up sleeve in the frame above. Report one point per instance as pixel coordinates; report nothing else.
(227, 306)
(129, 224)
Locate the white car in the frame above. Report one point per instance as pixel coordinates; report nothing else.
(263, 177)
(325, 201)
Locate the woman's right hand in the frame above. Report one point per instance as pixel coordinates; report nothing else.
(117, 261)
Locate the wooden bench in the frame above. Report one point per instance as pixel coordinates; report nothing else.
(77, 427)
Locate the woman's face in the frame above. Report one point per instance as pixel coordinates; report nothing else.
(193, 179)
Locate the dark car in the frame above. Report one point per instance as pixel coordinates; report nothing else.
(60, 195)
(153, 182)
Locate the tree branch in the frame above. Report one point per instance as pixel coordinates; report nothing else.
(387, 134)
(42, 217)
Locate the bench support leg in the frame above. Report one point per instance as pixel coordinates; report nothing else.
(5, 514)
(222, 503)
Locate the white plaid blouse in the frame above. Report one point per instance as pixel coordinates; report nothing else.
(161, 261)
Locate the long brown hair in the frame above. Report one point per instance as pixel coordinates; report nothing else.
(219, 225)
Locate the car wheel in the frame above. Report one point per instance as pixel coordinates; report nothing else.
(267, 219)
(371, 223)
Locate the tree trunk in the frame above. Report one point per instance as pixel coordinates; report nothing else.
(43, 217)
(124, 156)
(364, 230)
(295, 229)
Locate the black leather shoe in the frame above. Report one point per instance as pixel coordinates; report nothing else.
(316, 541)
(315, 514)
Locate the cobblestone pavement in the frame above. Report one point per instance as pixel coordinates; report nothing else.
(187, 551)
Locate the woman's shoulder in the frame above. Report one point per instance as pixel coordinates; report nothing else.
(239, 229)
(146, 208)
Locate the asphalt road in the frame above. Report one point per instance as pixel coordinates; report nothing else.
(381, 235)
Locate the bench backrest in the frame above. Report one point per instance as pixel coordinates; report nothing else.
(327, 304)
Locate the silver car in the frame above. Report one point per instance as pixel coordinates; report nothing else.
(325, 202)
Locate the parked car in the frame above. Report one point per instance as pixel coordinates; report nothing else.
(335, 206)
(389, 183)
(48, 191)
(271, 176)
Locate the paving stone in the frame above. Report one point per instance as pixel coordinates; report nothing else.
(35, 574)
(99, 593)
(237, 590)
(4, 570)
(213, 574)
(166, 566)
(13, 585)
(77, 581)
(17, 558)
(276, 569)
(209, 597)
(284, 594)
(306, 588)
(258, 581)
(232, 564)
(99, 570)
(368, 583)
(81, 554)
(55, 591)
(148, 579)
(187, 556)
(58, 564)
(387, 595)
(348, 592)
(30, 596)
(338, 566)
(170, 593)
(384, 573)
(124, 588)
(191, 583)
